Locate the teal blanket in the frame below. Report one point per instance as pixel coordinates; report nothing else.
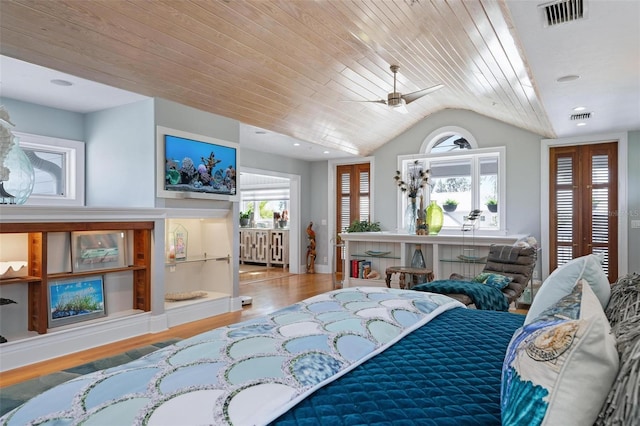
(484, 297)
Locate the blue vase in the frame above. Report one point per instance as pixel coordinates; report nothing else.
(19, 186)
(417, 261)
(410, 216)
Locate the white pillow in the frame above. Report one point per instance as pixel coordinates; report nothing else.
(559, 369)
(562, 280)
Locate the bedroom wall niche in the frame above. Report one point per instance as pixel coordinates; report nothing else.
(199, 265)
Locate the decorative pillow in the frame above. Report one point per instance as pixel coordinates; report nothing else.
(559, 368)
(622, 406)
(562, 280)
(494, 280)
(625, 299)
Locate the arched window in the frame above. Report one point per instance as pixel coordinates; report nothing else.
(448, 139)
(463, 177)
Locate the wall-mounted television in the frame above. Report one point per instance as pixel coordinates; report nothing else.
(74, 300)
(195, 166)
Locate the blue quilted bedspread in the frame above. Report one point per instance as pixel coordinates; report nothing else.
(484, 297)
(444, 373)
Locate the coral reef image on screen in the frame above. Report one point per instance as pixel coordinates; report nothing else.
(195, 166)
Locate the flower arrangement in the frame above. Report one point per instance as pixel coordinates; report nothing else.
(417, 178)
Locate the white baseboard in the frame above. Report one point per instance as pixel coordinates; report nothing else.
(18, 353)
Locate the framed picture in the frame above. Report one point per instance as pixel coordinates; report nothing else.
(180, 238)
(96, 250)
(74, 300)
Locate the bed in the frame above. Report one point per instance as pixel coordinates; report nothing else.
(398, 342)
(365, 355)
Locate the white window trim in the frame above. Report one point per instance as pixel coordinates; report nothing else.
(74, 171)
(480, 152)
(435, 137)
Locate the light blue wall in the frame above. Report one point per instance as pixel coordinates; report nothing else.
(45, 121)
(131, 134)
(522, 164)
(180, 117)
(120, 156)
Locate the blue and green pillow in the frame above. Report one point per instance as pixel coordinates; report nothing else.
(559, 368)
(493, 280)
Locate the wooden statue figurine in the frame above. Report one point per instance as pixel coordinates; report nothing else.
(311, 249)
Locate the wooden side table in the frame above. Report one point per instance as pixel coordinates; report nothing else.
(403, 271)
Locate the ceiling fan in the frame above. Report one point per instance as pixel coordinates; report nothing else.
(397, 100)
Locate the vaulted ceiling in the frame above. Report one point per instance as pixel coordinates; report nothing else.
(296, 67)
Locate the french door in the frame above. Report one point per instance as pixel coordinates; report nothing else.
(352, 198)
(583, 204)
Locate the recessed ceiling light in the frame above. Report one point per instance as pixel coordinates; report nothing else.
(325, 152)
(581, 124)
(296, 144)
(60, 82)
(580, 108)
(566, 78)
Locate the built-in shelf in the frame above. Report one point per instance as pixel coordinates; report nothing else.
(374, 257)
(204, 258)
(38, 256)
(440, 252)
(61, 275)
(19, 280)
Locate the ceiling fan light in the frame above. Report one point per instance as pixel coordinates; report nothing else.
(395, 100)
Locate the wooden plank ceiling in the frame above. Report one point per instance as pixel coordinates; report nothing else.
(287, 65)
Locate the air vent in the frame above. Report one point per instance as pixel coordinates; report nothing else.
(561, 11)
(581, 116)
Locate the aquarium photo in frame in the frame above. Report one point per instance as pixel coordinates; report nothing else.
(74, 300)
(96, 250)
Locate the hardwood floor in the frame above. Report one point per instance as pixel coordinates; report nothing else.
(270, 290)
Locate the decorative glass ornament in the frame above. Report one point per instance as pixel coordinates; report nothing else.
(410, 216)
(417, 261)
(435, 218)
(21, 176)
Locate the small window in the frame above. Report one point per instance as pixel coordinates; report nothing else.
(59, 169)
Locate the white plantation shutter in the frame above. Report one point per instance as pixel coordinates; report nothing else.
(365, 212)
(564, 209)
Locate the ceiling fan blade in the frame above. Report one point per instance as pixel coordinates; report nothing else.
(379, 101)
(410, 97)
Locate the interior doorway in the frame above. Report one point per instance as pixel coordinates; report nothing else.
(271, 192)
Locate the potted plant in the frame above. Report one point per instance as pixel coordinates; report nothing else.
(244, 218)
(363, 226)
(450, 205)
(492, 205)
